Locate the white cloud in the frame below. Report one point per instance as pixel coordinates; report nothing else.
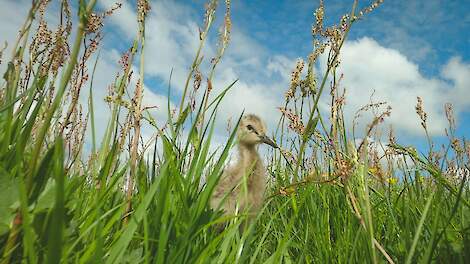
(12, 16)
(281, 65)
(124, 18)
(172, 40)
(367, 66)
(458, 73)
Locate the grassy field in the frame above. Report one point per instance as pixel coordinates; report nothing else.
(331, 197)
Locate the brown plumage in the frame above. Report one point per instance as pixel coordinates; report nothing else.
(244, 183)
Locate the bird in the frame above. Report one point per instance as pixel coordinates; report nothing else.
(242, 185)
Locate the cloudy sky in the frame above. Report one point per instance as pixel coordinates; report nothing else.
(402, 50)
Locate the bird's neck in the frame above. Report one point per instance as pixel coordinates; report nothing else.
(249, 158)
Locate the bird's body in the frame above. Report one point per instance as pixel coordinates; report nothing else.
(243, 185)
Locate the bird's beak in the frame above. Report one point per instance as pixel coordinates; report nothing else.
(268, 141)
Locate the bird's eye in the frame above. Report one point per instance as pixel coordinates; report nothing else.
(252, 129)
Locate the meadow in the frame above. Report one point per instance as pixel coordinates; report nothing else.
(334, 195)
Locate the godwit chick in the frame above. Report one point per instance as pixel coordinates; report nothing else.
(244, 183)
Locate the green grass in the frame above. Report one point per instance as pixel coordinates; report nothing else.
(60, 204)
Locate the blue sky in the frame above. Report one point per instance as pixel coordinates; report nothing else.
(402, 50)
(427, 32)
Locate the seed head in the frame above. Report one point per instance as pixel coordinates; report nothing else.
(449, 110)
(197, 79)
(143, 7)
(5, 45)
(295, 79)
(467, 148)
(288, 156)
(296, 123)
(369, 9)
(95, 22)
(421, 113)
(319, 14)
(457, 146)
(124, 61)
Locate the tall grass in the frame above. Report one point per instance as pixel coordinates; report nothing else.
(329, 199)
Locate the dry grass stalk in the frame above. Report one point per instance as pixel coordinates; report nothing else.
(143, 8)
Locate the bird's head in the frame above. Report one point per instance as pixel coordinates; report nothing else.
(252, 131)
